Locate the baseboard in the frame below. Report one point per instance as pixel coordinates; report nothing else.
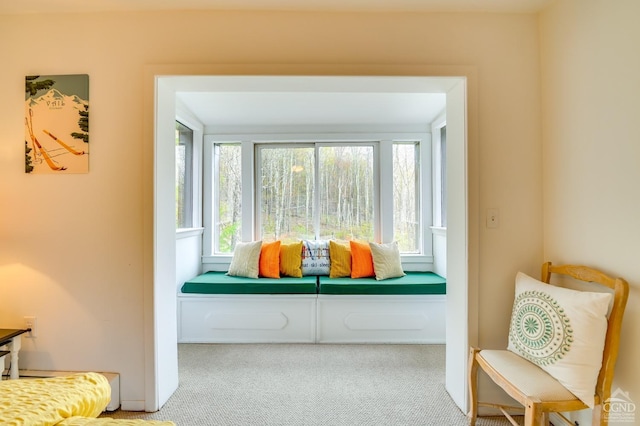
(113, 378)
(132, 405)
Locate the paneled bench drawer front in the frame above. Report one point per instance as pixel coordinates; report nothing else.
(246, 318)
(381, 319)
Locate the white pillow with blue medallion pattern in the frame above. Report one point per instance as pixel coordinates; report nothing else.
(562, 331)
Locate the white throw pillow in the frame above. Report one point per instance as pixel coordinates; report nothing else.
(562, 331)
(315, 257)
(246, 260)
(386, 260)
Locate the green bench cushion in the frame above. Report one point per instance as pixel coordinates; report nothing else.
(411, 283)
(221, 283)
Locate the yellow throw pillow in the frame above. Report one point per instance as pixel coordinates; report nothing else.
(361, 260)
(291, 259)
(340, 260)
(270, 260)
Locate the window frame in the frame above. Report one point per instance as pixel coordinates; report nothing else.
(383, 172)
(187, 190)
(188, 120)
(316, 201)
(438, 197)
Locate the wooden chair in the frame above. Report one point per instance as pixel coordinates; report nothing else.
(537, 408)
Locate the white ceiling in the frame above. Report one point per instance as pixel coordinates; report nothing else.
(328, 102)
(76, 6)
(308, 109)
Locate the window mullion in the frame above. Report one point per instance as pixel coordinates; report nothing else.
(316, 192)
(384, 182)
(188, 178)
(427, 197)
(248, 191)
(210, 193)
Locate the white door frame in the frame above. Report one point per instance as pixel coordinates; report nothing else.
(161, 84)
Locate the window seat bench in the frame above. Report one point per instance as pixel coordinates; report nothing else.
(217, 308)
(221, 283)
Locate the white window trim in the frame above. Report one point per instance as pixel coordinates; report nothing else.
(208, 219)
(436, 127)
(426, 198)
(188, 119)
(188, 233)
(384, 226)
(384, 175)
(438, 230)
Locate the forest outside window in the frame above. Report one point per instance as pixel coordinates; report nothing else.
(316, 191)
(346, 190)
(406, 196)
(227, 210)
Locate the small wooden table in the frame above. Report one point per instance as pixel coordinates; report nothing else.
(10, 343)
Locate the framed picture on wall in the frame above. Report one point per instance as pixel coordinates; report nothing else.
(56, 118)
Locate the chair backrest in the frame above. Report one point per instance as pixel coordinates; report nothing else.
(612, 340)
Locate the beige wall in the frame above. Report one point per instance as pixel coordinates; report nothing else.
(73, 248)
(591, 91)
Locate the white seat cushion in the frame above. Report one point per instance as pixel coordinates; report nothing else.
(532, 380)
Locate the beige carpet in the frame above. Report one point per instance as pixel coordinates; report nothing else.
(310, 385)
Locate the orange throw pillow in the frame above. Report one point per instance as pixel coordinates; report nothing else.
(361, 260)
(270, 260)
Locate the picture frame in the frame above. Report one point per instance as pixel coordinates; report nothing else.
(56, 124)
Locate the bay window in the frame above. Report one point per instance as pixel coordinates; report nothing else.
(344, 189)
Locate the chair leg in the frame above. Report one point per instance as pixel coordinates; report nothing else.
(473, 386)
(533, 415)
(597, 417)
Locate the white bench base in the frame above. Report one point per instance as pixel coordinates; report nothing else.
(239, 318)
(236, 318)
(381, 319)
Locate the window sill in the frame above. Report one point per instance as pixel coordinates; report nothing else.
(409, 262)
(438, 230)
(188, 232)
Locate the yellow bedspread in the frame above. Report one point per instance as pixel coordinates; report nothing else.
(49, 401)
(105, 421)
